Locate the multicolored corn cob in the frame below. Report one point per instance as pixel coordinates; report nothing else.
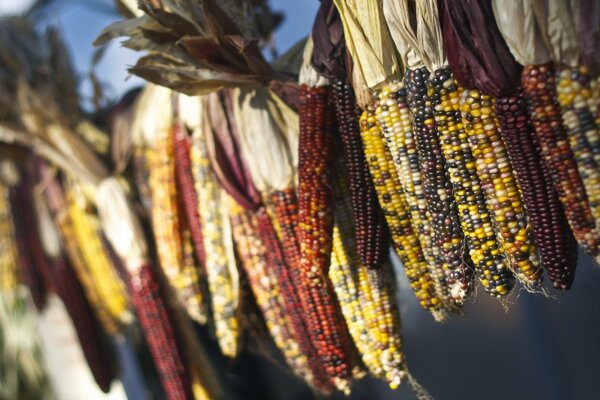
(166, 226)
(500, 185)
(393, 204)
(285, 275)
(372, 236)
(221, 268)
(539, 88)
(150, 303)
(367, 305)
(554, 239)
(395, 120)
(325, 323)
(252, 253)
(445, 223)
(475, 218)
(574, 97)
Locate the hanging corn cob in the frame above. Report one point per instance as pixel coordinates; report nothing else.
(33, 263)
(252, 252)
(9, 267)
(481, 59)
(60, 204)
(367, 304)
(326, 326)
(221, 267)
(64, 280)
(395, 210)
(86, 229)
(147, 294)
(328, 59)
(187, 191)
(503, 197)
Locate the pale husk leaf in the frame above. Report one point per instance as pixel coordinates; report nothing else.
(517, 23)
(557, 27)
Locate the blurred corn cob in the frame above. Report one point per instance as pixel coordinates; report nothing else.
(33, 263)
(166, 222)
(221, 266)
(393, 204)
(9, 264)
(286, 278)
(454, 282)
(187, 191)
(539, 88)
(149, 301)
(253, 258)
(574, 97)
(110, 288)
(367, 304)
(554, 239)
(475, 218)
(325, 323)
(372, 236)
(502, 192)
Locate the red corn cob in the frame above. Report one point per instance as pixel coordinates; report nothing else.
(151, 306)
(189, 197)
(96, 348)
(557, 247)
(372, 237)
(33, 262)
(539, 88)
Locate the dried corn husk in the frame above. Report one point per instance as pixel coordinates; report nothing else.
(556, 24)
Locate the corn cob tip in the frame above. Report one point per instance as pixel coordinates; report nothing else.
(343, 385)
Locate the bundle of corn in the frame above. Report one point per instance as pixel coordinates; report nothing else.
(268, 136)
(166, 224)
(259, 261)
(480, 59)
(539, 88)
(64, 280)
(368, 42)
(90, 271)
(328, 59)
(220, 260)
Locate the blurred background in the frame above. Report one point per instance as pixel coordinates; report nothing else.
(532, 347)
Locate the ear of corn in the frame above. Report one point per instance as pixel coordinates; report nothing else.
(315, 223)
(32, 261)
(500, 185)
(264, 285)
(455, 281)
(394, 207)
(367, 305)
(95, 346)
(539, 88)
(372, 236)
(9, 267)
(574, 97)
(395, 120)
(187, 191)
(475, 217)
(150, 303)
(166, 226)
(221, 268)
(109, 286)
(554, 239)
(286, 278)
